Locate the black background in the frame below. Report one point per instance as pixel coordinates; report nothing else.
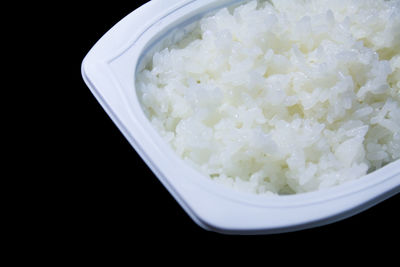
(114, 198)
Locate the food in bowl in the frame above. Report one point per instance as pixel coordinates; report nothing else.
(281, 97)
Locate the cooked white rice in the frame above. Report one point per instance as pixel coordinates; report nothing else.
(285, 96)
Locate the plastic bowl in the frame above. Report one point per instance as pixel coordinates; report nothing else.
(109, 70)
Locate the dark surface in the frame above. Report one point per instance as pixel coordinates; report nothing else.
(114, 197)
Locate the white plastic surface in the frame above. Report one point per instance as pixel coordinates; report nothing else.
(109, 70)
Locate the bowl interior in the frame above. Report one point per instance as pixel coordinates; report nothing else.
(165, 29)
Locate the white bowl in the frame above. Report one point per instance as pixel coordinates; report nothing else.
(109, 70)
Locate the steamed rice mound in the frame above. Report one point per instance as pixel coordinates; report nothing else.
(284, 96)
